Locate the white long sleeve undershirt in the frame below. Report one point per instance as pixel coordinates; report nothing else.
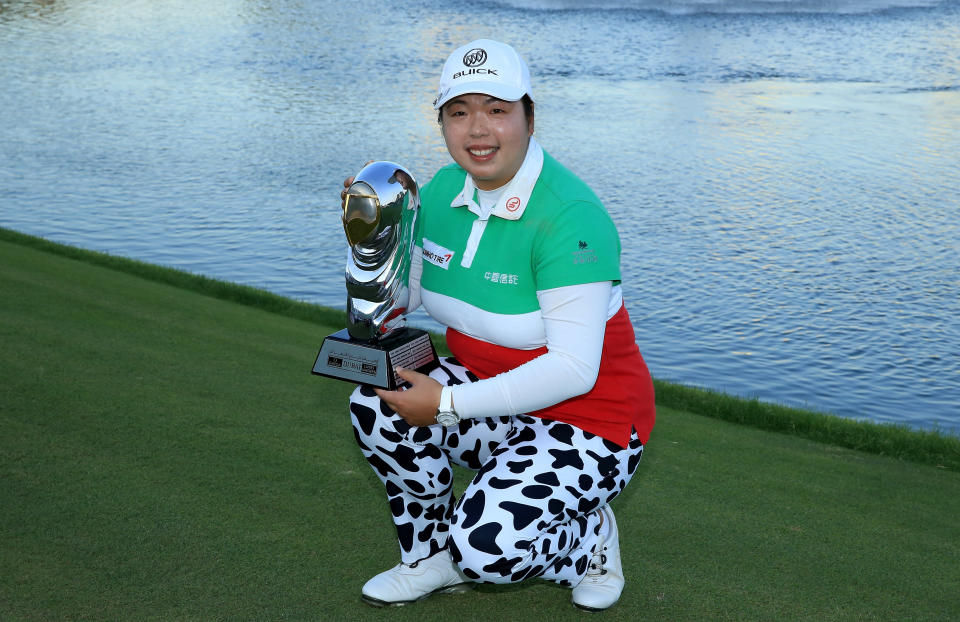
(574, 319)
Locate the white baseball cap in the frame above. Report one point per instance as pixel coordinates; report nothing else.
(484, 66)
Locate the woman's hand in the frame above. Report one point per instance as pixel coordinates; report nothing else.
(349, 182)
(417, 405)
(346, 184)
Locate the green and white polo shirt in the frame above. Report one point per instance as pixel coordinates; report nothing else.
(481, 273)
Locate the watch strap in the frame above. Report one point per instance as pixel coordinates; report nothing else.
(446, 400)
(446, 415)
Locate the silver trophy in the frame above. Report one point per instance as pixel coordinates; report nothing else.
(380, 211)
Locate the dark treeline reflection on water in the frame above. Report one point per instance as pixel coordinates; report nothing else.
(783, 173)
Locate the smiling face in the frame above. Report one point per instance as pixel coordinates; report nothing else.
(486, 136)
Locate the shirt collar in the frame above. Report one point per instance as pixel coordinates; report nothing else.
(517, 192)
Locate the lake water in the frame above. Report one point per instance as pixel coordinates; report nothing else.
(784, 173)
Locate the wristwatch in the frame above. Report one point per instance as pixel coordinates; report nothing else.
(446, 416)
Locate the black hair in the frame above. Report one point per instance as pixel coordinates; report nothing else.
(527, 109)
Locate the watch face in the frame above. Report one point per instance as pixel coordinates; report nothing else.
(447, 419)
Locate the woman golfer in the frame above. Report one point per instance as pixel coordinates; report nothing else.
(547, 397)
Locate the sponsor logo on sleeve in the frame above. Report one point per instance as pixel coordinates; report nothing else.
(584, 254)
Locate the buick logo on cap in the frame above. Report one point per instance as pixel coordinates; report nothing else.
(475, 57)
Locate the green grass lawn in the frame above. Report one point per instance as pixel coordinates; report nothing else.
(166, 455)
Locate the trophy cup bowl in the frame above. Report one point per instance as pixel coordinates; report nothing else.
(380, 210)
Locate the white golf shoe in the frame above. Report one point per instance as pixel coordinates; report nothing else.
(603, 583)
(407, 583)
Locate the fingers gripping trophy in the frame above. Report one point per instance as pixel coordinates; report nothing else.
(380, 210)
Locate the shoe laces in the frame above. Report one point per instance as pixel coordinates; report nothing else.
(597, 563)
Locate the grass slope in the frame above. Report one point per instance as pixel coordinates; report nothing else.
(928, 447)
(165, 455)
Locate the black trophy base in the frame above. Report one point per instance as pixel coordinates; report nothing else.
(372, 362)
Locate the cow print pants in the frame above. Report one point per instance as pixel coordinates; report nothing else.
(530, 511)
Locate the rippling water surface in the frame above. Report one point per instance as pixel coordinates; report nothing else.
(784, 173)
